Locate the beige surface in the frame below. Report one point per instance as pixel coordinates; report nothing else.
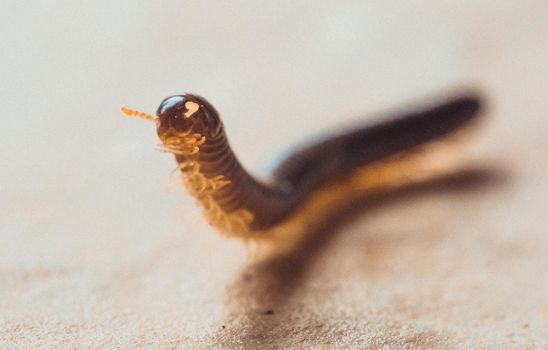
(95, 254)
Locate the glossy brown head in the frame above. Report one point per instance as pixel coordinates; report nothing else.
(181, 114)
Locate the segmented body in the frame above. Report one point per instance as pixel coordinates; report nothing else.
(238, 204)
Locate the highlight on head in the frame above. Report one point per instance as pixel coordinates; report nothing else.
(134, 113)
(191, 108)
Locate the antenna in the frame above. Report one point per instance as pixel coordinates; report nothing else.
(134, 113)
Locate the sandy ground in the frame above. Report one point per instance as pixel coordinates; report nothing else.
(96, 254)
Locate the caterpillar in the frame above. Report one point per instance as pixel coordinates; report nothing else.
(239, 204)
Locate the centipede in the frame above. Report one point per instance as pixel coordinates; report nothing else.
(239, 204)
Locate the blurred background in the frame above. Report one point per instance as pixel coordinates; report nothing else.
(95, 253)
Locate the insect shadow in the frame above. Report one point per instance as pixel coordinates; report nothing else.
(267, 284)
